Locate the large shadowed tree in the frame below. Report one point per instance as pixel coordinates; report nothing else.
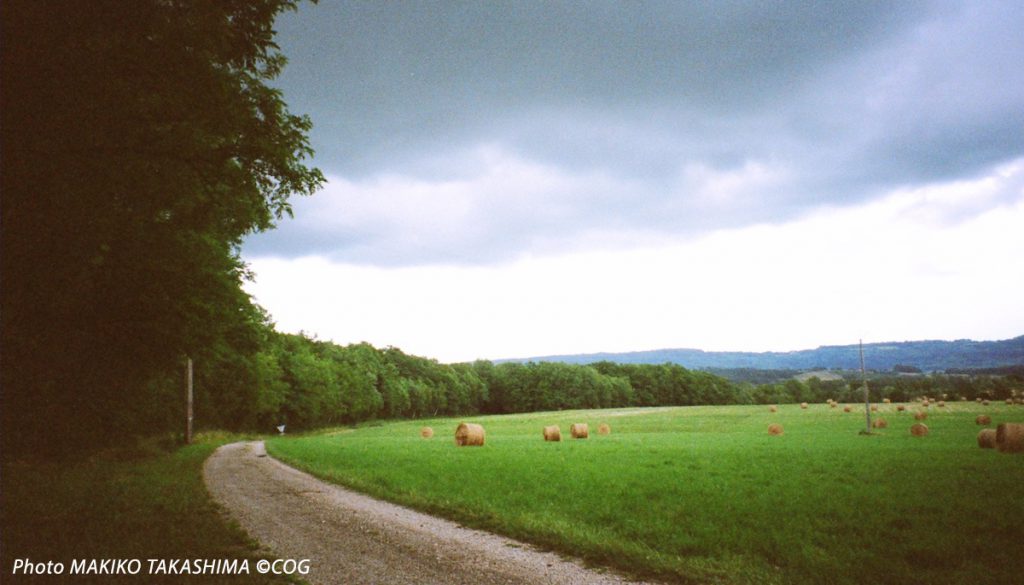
(141, 142)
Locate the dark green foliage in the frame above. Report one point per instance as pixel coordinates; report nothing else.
(140, 144)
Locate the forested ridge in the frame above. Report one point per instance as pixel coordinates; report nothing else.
(926, 355)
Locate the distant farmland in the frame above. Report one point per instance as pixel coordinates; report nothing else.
(705, 494)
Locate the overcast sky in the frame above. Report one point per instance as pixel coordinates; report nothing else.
(519, 179)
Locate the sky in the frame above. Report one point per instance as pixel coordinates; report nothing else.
(519, 179)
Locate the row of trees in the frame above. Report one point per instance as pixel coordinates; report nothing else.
(305, 383)
(894, 387)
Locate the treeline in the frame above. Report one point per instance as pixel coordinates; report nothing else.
(894, 387)
(306, 383)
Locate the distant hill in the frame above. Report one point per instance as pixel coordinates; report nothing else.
(929, 356)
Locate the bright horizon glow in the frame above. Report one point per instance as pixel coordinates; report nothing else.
(934, 262)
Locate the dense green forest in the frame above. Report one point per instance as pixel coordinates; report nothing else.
(306, 383)
(141, 143)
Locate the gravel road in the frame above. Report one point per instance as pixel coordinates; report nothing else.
(353, 539)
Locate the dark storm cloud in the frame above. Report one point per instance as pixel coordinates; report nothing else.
(488, 130)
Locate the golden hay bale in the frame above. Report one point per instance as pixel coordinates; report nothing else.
(773, 409)
(604, 429)
(469, 435)
(886, 401)
(919, 429)
(987, 439)
(426, 432)
(900, 408)
(833, 404)
(941, 404)
(803, 405)
(774, 429)
(847, 408)
(925, 403)
(984, 402)
(983, 419)
(552, 433)
(879, 423)
(920, 415)
(579, 430)
(874, 408)
(1010, 438)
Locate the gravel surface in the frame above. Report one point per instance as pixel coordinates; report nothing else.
(353, 539)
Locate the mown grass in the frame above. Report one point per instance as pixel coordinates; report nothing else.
(129, 504)
(704, 494)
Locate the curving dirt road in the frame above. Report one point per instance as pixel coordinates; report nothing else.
(353, 539)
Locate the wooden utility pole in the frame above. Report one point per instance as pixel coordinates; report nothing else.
(864, 381)
(188, 401)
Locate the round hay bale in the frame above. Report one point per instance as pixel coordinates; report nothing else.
(833, 404)
(919, 429)
(1010, 438)
(984, 402)
(987, 439)
(900, 408)
(604, 429)
(886, 401)
(874, 408)
(426, 432)
(925, 403)
(1009, 401)
(552, 433)
(941, 404)
(978, 400)
(579, 430)
(774, 429)
(983, 419)
(920, 415)
(847, 408)
(469, 435)
(803, 405)
(773, 409)
(963, 398)
(879, 423)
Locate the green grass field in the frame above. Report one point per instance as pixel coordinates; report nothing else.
(705, 495)
(124, 505)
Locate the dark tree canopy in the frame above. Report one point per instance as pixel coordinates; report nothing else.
(141, 142)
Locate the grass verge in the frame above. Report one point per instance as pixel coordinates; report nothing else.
(133, 504)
